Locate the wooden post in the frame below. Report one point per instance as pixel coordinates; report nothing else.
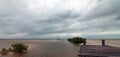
(84, 43)
(103, 42)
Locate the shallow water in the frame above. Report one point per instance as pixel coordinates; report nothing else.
(51, 48)
(115, 42)
(43, 48)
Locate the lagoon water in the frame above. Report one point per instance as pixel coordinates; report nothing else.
(43, 48)
(110, 42)
(51, 48)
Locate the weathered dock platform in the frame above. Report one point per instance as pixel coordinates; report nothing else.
(99, 51)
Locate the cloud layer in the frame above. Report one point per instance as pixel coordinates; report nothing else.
(59, 18)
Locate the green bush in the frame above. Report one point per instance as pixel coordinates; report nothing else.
(77, 40)
(19, 47)
(3, 49)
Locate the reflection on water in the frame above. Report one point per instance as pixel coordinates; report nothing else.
(43, 48)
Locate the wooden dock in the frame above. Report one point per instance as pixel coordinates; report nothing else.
(99, 51)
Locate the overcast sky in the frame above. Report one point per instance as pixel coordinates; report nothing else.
(59, 19)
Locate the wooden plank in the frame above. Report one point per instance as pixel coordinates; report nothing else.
(98, 50)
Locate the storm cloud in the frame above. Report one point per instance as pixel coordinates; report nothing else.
(59, 19)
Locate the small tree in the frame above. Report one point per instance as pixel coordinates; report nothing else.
(77, 40)
(19, 47)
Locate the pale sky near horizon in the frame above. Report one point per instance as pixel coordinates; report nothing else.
(59, 19)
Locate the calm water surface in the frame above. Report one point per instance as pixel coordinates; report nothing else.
(43, 48)
(51, 48)
(115, 42)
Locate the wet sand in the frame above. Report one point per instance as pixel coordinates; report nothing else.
(44, 48)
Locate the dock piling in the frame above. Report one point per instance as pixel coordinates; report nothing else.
(103, 42)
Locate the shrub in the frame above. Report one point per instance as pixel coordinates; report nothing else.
(77, 40)
(4, 51)
(10, 49)
(19, 47)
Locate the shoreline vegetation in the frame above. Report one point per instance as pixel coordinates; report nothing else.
(77, 40)
(15, 48)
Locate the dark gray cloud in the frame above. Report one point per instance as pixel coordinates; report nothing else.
(59, 18)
